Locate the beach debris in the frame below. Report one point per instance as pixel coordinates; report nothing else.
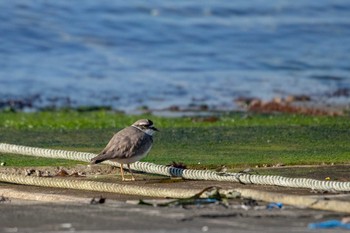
(4, 199)
(62, 173)
(249, 203)
(78, 174)
(274, 205)
(29, 172)
(210, 195)
(38, 173)
(75, 174)
(318, 191)
(283, 105)
(98, 200)
(32, 171)
(329, 224)
(46, 173)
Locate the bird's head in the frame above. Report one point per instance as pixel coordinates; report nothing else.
(146, 126)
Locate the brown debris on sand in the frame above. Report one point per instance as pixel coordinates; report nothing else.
(285, 105)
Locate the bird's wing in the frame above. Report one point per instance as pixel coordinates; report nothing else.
(122, 145)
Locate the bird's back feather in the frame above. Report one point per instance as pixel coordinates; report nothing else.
(125, 144)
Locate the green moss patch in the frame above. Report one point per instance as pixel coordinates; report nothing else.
(235, 140)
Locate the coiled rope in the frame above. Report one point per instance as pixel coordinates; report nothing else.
(185, 173)
(98, 186)
(288, 199)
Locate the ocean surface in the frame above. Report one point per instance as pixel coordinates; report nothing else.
(132, 54)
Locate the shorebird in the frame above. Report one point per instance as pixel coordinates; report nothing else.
(128, 145)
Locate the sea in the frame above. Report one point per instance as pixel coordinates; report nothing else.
(159, 54)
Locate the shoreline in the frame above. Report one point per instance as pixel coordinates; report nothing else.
(242, 105)
(334, 103)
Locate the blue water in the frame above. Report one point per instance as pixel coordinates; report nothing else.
(129, 54)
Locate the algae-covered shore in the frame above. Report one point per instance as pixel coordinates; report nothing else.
(207, 142)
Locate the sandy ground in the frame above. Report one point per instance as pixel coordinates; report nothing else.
(117, 214)
(25, 216)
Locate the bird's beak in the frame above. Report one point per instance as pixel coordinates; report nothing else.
(154, 128)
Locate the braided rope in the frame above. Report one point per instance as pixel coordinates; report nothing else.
(185, 173)
(98, 186)
(288, 199)
(297, 200)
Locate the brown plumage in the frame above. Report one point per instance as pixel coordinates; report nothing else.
(128, 145)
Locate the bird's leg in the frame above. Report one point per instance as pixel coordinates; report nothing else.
(132, 174)
(122, 171)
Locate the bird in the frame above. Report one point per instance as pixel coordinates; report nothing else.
(129, 145)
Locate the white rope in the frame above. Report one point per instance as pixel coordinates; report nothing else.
(129, 189)
(98, 186)
(185, 173)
